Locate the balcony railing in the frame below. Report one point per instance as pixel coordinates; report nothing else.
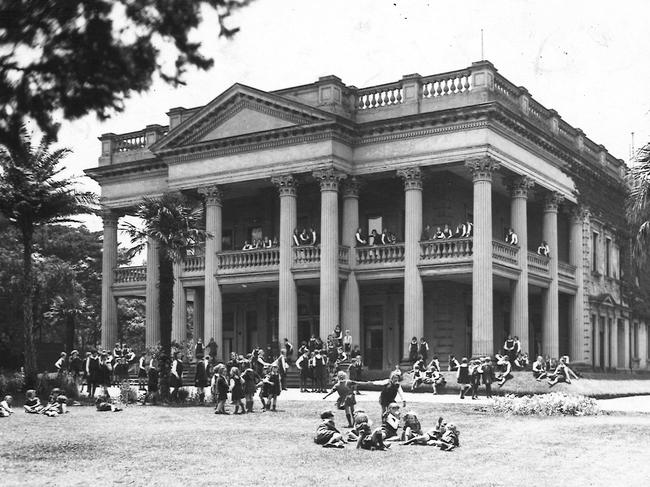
(194, 263)
(504, 252)
(566, 271)
(248, 259)
(130, 274)
(455, 248)
(306, 255)
(344, 254)
(380, 254)
(538, 263)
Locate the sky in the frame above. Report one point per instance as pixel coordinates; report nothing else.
(588, 60)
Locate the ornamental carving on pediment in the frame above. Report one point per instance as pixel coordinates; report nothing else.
(482, 168)
(411, 176)
(287, 184)
(212, 194)
(329, 179)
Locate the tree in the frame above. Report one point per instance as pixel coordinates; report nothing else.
(637, 207)
(90, 55)
(176, 223)
(34, 193)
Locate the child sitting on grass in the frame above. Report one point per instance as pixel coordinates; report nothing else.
(539, 369)
(562, 373)
(506, 370)
(449, 439)
(431, 435)
(104, 403)
(5, 407)
(56, 404)
(32, 402)
(412, 426)
(326, 433)
(390, 423)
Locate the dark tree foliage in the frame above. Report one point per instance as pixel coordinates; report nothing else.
(89, 55)
(34, 194)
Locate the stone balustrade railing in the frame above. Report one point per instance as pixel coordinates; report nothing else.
(538, 263)
(305, 255)
(129, 142)
(566, 271)
(454, 248)
(504, 252)
(344, 254)
(445, 84)
(380, 254)
(194, 263)
(380, 96)
(246, 259)
(130, 274)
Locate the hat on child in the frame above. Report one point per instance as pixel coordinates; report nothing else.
(327, 414)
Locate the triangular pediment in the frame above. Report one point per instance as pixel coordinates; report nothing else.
(240, 111)
(605, 299)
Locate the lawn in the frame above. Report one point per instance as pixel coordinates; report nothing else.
(154, 445)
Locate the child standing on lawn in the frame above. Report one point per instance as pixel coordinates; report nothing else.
(346, 399)
(463, 377)
(391, 388)
(250, 386)
(220, 389)
(236, 391)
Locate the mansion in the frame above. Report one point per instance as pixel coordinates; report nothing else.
(408, 156)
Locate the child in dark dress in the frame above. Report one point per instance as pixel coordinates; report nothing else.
(236, 391)
(250, 386)
(346, 398)
(152, 384)
(220, 389)
(326, 433)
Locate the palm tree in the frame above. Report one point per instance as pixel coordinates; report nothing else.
(637, 206)
(176, 223)
(33, 194)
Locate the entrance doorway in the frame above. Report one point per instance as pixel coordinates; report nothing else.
(373, 336)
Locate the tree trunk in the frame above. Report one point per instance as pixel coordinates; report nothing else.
(69, 334)
(28, 315)
(166, 297)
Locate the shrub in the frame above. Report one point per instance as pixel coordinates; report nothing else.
(553, 404)
(65, 382)
(11, 383)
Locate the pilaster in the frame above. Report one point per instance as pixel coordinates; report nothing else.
(577, 336)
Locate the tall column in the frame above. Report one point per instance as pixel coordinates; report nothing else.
(179, 306)
(197, 315)
(213, 305)
(413, 292)
(109, 262)
(614, 342)
(576, 258)
(482, 286)
(550, 323)
(351, 300)
(287, 292)
(519, 221)
(626, 344)
(152, 310)
(329, 254)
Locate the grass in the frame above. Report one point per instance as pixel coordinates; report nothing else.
(191, 446)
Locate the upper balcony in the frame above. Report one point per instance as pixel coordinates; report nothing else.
(438, 258)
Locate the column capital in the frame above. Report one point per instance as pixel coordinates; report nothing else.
(519, 186)
(578, 214)
(482, 168)
(552, 201)
(287, 184)
(412, 177)
(213, 194)
(329, 178)
(109, 217)
(351, 187)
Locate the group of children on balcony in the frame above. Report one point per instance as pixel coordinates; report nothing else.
(463, 230)
(260, 243)
(512, 238)
(304, 238)
(375, 238)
